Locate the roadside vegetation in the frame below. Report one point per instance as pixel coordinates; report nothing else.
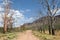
(7, 36)
(46, 36)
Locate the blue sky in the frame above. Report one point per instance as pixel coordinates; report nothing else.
(23, 5)
(27, 7)
(25, 11)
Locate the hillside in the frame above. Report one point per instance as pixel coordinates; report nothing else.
(39, 22)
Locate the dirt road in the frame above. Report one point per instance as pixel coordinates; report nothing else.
(27, 35)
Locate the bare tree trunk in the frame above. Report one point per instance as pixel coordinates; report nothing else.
(43, 26)
(41, 29)
(53, 29)
(49, 25)
(6, 18)
(49, 29)
(11, 26)
(52, 25)
(5, 24)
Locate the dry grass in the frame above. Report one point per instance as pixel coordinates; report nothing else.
(42, 36)
(8, 36)
(47, 36)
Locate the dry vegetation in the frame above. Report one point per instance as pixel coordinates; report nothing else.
(46, 36)
(7, 36)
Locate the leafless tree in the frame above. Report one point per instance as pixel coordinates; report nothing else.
(51, 6)
(10, 21)
(6, 12)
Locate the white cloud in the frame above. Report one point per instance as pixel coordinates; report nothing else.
(17, 14)
(58, 12)
(20, 19)
(24, 20)
(1, 9)
(4, 2)
(29, 20)
(24, 11)
(27, 10)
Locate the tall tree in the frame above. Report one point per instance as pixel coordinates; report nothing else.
(6, 12)
(50, 6)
